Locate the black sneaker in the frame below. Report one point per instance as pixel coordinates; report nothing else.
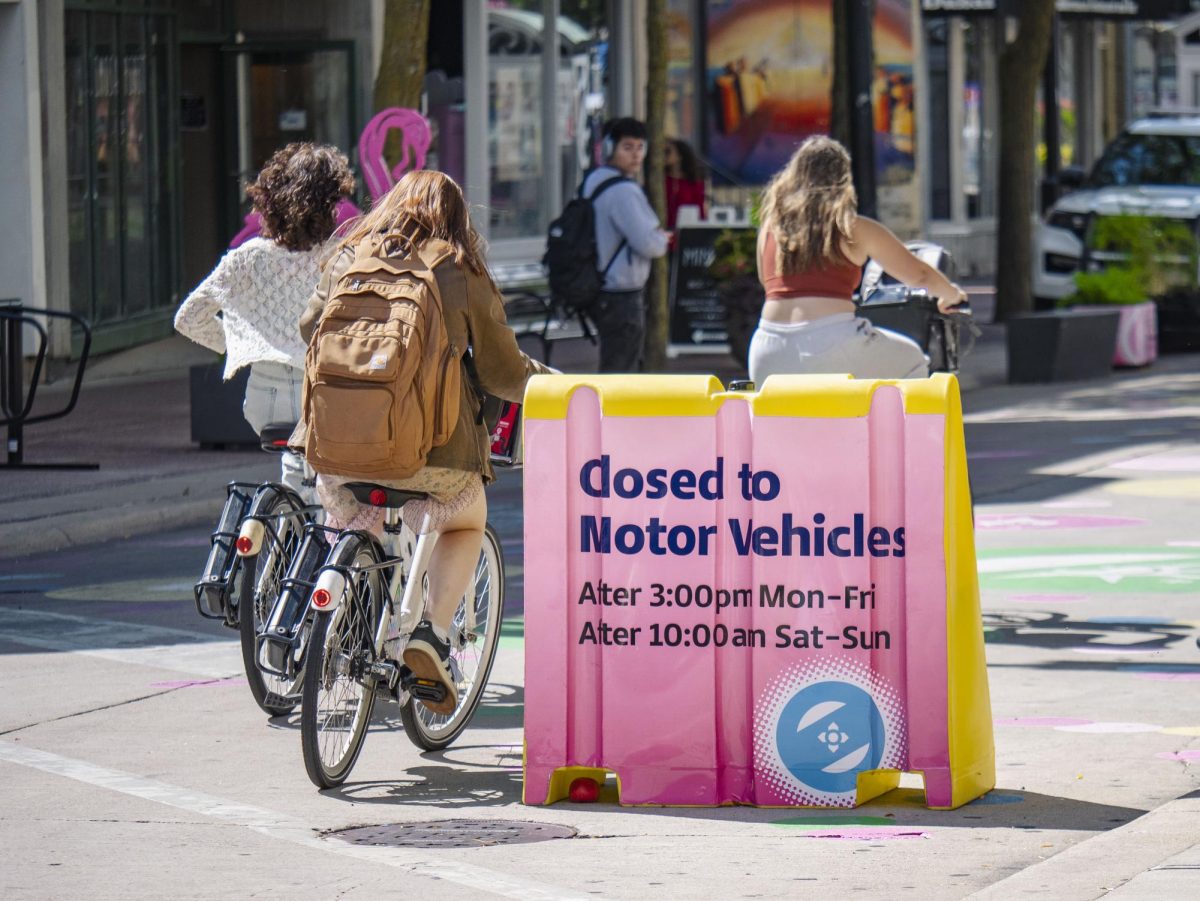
(428, 658)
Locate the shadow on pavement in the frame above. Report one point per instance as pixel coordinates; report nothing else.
(1057, 631)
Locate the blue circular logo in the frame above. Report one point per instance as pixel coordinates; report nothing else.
(828, 733)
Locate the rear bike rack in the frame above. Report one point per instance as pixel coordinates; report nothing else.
(15, 404)
(280, 643)
(214, 591)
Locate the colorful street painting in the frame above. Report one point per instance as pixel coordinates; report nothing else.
(1158, 570)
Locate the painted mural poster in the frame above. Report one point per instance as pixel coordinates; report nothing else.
(769, 73)
(897, 191)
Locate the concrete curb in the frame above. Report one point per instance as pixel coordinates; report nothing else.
(1111, 861)
(25, 539)
(107, 513)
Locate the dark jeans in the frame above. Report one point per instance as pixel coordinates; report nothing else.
(620, 318)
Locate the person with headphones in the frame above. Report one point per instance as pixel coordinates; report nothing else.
(628, 237)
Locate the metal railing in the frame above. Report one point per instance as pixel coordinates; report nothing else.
(16, 404)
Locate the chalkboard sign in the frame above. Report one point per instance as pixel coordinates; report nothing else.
(697, 314)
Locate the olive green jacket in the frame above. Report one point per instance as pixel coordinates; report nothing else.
(474, 312)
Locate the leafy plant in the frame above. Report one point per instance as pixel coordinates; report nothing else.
(1155, 256)
(735, 251)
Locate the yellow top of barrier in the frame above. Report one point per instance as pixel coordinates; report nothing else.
(825, 396)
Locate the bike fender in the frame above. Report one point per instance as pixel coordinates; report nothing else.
(328, 591)
(253, 532)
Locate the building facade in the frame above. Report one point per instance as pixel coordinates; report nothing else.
(139, 124)
(135, 125)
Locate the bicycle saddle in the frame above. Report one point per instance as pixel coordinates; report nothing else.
(382, 496)
(274, 437)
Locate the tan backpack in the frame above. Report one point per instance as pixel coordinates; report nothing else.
(381, 379)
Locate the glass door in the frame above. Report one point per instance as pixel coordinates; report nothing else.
(287, 93)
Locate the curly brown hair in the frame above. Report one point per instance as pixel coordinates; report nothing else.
(297, 191)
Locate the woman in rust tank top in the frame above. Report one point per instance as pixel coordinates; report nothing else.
(811, 249)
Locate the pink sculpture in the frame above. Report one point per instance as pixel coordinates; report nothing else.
(415, 144)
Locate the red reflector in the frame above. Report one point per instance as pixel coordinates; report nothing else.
(244, 544)
(282, 442)
(378, 497)
(321, 598)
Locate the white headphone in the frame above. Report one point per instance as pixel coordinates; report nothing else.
(608, 147)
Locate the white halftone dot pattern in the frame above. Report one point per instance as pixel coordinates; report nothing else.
(768, 764)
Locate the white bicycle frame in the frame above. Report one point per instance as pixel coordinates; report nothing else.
(408, 573)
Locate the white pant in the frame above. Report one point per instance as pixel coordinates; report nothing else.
(273, 398)
(842, 342)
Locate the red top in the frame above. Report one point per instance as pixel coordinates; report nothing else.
(682, 193)
(838, 280)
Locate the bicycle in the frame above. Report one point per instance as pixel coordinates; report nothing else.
(256, 537)
(890, 304)
(346, 665)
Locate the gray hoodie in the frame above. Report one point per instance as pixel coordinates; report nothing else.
(623, 211)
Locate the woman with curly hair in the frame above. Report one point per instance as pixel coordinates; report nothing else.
(811, 249)
(248, 306)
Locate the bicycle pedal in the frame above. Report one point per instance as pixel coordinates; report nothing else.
(426, 689)
(386, 672)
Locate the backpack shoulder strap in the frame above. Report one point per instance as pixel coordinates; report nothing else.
(604, 186)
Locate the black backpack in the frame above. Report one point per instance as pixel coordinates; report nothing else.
(571, 258)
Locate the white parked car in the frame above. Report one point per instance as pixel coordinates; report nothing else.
(1152, 169)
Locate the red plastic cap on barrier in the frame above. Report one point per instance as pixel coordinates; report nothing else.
(584, 790)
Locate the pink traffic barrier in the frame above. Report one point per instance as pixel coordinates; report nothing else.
(738, 598)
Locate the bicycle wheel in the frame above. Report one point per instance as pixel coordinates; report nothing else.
(471, 653)
(338, 694)
(261, 580)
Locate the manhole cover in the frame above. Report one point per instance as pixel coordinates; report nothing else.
(453, 834)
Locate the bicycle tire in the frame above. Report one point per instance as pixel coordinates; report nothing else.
(340, 649)
(260, 582)
(471, 656)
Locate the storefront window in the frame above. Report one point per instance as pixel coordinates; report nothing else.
(682, 38)
(978, 165)
(517, 113)
(582, 86)
(937, 54)
(79, 211)
(1068, 93)
(120, 225)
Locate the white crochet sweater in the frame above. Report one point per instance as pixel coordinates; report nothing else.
(259, 289)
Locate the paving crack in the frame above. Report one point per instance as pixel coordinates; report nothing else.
(113, 706)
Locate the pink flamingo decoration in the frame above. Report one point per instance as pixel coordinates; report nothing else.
(414, 129)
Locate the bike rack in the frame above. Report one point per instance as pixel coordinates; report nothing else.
(14, 403)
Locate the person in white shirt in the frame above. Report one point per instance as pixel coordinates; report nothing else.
(249, 305)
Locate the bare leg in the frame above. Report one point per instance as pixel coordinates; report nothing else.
(452, 564)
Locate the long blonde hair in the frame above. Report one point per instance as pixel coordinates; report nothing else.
(810, 206)
(424, 204)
